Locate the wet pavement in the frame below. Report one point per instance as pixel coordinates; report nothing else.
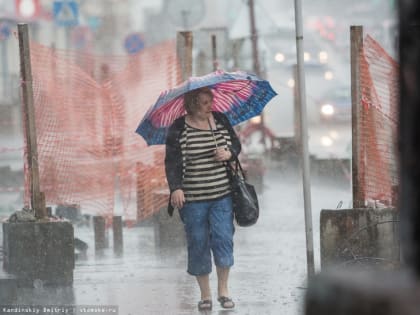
(269, 275)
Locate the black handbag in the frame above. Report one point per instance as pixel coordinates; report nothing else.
(244, 197)
(245, 202)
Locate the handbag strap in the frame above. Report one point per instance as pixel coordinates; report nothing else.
(238, 167)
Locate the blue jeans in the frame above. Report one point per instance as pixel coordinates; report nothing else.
(209, 227)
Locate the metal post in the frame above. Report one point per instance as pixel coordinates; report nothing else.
(296, 109)
(99, 232)
(214, 52)
(117, 229)
(29, 120)
(5, 69)
(184, 44)
(304, 141)
(254, 39)
(256, 58)
(356, 46)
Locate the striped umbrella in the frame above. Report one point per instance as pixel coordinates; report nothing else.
(239, 95)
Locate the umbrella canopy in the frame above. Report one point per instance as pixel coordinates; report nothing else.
(239, 95)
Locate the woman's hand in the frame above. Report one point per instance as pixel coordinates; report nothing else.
(177, 198)
(222, 154)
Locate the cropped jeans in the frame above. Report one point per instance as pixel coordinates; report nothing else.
(209, 229)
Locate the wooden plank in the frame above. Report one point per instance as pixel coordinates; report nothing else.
(356, 39)
(184, 45)
(29, 120)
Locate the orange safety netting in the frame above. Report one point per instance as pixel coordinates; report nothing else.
(87, 110)
(378, 121)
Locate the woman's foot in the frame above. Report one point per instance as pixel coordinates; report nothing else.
(226, 302)
(205, 305)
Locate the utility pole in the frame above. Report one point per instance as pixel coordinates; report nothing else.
(255, 58)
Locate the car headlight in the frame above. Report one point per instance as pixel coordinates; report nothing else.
(327, 110)
(291, 83)
(328, 75)
(279, 57)
(323, 57)
(326, 141)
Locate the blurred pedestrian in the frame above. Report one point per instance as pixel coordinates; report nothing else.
(198, 147)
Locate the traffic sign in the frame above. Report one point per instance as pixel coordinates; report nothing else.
(134, 43)
(66, 12)
(5, 31)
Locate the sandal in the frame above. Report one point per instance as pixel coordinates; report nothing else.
(205, 305)
(226, 302)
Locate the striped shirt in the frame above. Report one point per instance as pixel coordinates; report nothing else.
(204, 177)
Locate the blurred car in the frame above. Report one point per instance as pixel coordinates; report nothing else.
(335, 104)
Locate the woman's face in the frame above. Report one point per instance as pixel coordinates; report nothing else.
(204, 106)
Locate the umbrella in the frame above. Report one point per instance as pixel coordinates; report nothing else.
(239, 95)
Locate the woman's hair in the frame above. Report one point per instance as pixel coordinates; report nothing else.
(191, 98)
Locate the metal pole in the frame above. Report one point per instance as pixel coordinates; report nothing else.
(254, 39)
(117, 228)
(29, 121)
(99, 232)
(214, 51)
(304, 140)
(356, 44)
(5, 69)
(256, 58)
(296, 109)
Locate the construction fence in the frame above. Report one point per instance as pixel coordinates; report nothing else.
(378, 125)
(88, 107)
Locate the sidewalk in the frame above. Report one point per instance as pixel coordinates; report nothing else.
(269, 275)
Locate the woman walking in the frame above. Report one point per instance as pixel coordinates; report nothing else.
(198, 147)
